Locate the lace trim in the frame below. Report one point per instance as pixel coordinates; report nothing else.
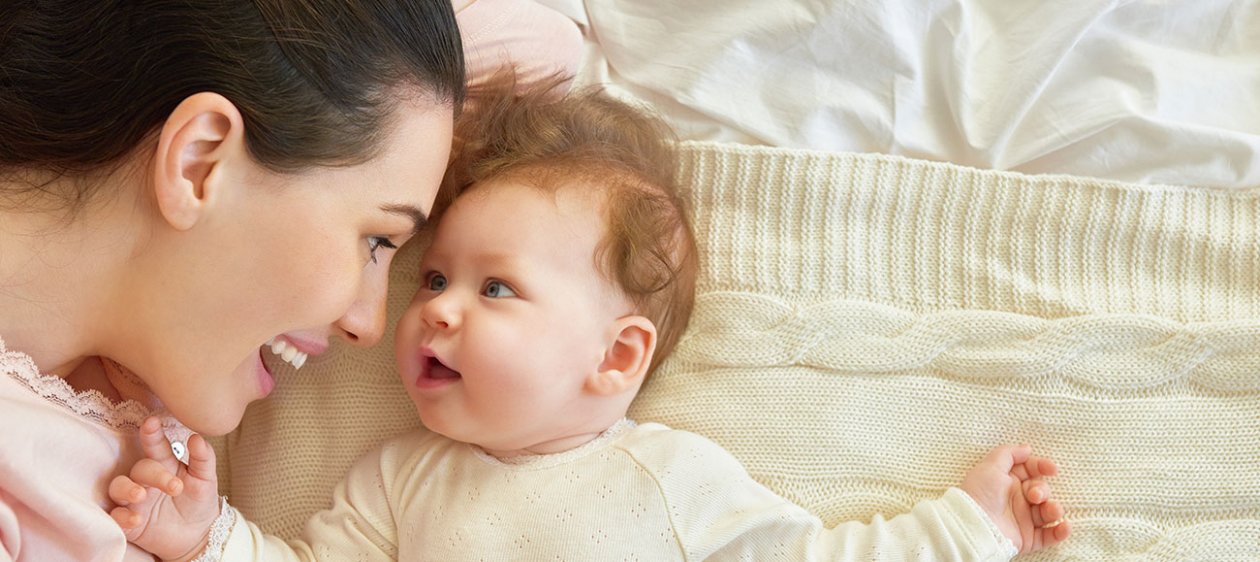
(89, 404)
(219, 533)
(555, 459)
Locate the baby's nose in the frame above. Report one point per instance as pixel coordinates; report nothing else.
(442, 312)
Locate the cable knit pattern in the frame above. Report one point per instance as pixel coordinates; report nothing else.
(1112, 353)
(868, 326)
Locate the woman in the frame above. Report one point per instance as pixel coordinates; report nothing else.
(182, 183)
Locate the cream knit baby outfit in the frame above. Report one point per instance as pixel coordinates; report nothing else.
(637, 492)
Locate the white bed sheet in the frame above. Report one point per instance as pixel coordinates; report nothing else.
(1138, 91)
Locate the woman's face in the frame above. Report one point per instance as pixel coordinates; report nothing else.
(301, 258)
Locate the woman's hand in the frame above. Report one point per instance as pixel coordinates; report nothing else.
(165, 507)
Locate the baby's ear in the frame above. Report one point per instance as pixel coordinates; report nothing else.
(627, 358)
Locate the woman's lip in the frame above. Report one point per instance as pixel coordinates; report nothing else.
(266, 381)
(311, 347)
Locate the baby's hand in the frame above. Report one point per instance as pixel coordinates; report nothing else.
(165, 507)
(1008, 484)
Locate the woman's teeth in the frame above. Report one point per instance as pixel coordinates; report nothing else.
(287, 352)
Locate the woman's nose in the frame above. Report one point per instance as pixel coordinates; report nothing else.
(364, 323)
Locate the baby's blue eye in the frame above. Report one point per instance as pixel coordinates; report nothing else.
(436, 282)
(498, 290)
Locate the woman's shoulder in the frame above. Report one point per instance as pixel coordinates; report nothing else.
(55, 463)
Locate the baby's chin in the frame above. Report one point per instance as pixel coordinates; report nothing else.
(461, 431)
(437, 424)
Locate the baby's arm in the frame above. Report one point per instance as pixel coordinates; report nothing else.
(152, 501)
(736, 518)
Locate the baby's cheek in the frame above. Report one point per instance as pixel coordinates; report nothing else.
(412, 317)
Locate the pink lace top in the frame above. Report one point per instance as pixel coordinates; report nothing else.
(58, 452)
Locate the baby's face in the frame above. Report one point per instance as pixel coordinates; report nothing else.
(511, 318)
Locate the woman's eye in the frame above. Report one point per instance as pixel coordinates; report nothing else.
(375, 242)
(498, 290)
(436, 282)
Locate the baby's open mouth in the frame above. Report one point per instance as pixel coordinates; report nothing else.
(437, 370)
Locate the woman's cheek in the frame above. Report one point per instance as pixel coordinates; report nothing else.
(325, 292)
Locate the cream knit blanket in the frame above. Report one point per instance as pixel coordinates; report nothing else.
(867, 326)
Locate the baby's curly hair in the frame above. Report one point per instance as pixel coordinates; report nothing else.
(588, 139)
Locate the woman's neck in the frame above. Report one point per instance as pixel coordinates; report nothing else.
(57, 274)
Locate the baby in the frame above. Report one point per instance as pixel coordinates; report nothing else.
(556, 281)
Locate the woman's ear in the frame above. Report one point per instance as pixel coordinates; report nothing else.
(627, 358)
(204, 132)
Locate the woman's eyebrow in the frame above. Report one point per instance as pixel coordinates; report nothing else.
(418, 218)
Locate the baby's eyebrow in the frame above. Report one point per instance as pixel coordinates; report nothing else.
(499, 259)
(418, 218)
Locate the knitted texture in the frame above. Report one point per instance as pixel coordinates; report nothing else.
(867, 326)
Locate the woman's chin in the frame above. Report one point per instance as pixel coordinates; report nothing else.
(211, 421)
(211, 417)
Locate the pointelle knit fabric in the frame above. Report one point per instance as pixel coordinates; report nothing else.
(636, 492)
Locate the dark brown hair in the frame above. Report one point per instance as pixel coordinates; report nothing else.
(590, 140)
(83, 82)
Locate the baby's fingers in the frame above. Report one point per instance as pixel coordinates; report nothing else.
(1058, 533)
(148, 472)
(125, 518)
(155, 444)
(1054, 532)
(1034, 467)
(1041, 466)
(201, 462)
(1036, 490)
(1048, 514)
(123, 491)
(1003, 457)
